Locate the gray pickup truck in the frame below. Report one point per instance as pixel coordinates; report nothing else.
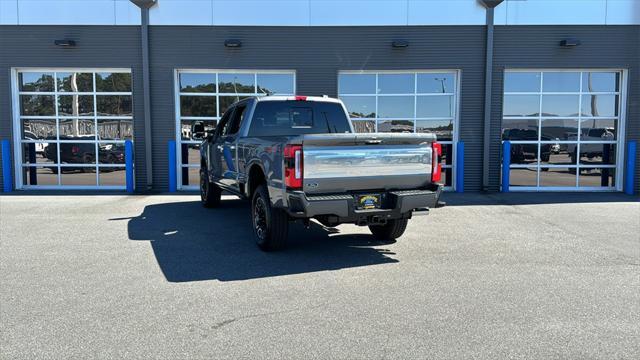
(298, 158)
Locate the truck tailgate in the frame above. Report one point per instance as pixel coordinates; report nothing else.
(339, 163)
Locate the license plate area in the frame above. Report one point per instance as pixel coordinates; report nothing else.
(368, 201)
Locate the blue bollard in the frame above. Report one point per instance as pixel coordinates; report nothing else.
(7, 185)
(506, 161)
(631, 167)
(128, 160)
(460, 167)
(172, 167)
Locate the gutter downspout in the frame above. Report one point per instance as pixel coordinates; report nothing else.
(144, 6)
(488, 79)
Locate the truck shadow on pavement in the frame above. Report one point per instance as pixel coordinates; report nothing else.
(192, 243)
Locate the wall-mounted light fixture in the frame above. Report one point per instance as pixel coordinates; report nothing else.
(65, 43)
(232, 43)
(400, 43)
(567, 43)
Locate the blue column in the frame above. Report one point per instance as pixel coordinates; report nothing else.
(631, 167)
(460, 167)
(506, 161)
(172, 167)
(6, 167)
(128, 160)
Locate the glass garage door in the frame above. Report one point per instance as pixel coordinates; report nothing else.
(405, 101)
(72, 127)
(204, 95)
(564, 128)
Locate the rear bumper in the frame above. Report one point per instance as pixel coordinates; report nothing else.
(341, 208)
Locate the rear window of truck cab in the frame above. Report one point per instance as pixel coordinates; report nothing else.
(281, 118)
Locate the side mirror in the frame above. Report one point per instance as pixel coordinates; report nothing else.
(197, 130)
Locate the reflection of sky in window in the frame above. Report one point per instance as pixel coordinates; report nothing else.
(521, 105)
(600, 81)
(561, 82)
(434, 106)
(194, 80)
(560, 105)
(242, 79)
(275, 83)
(435, 83)
(599, 105)
(521, 82)
(395, 106)
(396, 83)
(357, 83)
(360, 106)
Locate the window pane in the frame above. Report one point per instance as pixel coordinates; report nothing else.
(447, 154)
(396, 126)
(364, 126)
(600, 105)
(115, 129)
(522, 82)
(35, 81)
(78, 176)
(75, 105)
(198, 83)
(77, 153)
(597, 154)
(561, 82)
(360, 106)
(37, 105)
(75, 82)
(38, 129)
(597, 177)
(357, 83)
(396, 83)
(525, 129)
(190, 176)
(434, 106)
(275, 84)
(447, 177)
(524, 153)
(395, 106)
(111, 153)
(523, 177)
(198, 106)
(559, 129)
(33, 153)
(227, 101)
(521, 105)
(436, 83)
(557, 177)
(557, 155)
(190, 154)
(112, 176)
(442, 128)
(39, 176)
(599, 130)
(600, 81)
(74, 128)
(236, 83)
(560, 105)
(114, 105)
(113, 82)
(187, 128)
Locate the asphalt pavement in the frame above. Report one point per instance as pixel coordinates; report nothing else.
(487, 277)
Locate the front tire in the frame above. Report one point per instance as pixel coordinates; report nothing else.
(270, 225)
(392, 230)
(210, 193)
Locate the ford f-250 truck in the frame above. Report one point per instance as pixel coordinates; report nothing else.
(298, 158)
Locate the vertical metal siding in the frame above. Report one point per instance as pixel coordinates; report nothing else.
(97, 46)
(317, 54)
(538, 47)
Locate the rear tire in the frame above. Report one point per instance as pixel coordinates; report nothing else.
(210, 193)
(270, 225)
(392, 230)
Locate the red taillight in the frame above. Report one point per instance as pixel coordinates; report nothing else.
(436, 171)
(301, 98)
(75, 149)
(293, 166)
